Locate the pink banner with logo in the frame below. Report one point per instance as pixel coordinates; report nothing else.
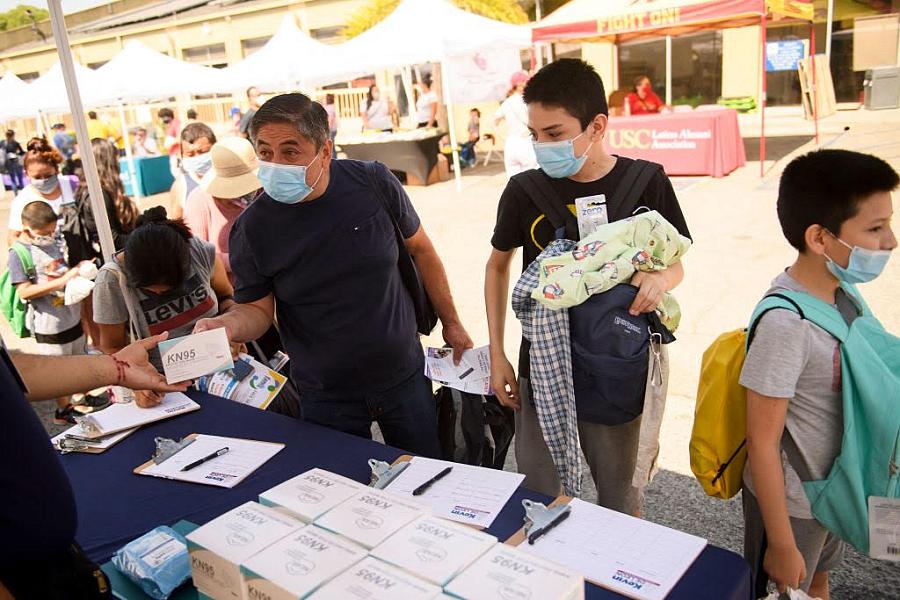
(693, 143)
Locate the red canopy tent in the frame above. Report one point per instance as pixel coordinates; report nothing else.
(623, 20)
(627, 19)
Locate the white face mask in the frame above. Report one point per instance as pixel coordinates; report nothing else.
(42, 240)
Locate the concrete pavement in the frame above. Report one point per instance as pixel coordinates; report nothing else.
(738, 249)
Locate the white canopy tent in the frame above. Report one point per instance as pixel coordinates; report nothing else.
(15, 96)
(289, 60)
(48, 92)
(139, 73)
(421, 31)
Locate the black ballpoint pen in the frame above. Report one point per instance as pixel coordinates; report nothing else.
(421, 489)
(200, 461)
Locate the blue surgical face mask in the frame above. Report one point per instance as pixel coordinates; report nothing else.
(286, 183)
(45, 186)
(864, 265)
(557, 159)
(197, 165)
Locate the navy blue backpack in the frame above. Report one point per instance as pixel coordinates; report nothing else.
(610, 347)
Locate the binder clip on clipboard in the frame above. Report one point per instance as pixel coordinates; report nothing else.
(166, 448)
(539, 519)
(384, 473)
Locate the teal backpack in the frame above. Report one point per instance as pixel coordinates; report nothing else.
(11, 305)
(869, 461)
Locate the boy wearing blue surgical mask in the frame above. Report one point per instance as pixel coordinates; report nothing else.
(567, 118)
(197, 140)
(834, 207)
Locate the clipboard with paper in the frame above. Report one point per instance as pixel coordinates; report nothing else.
(128, 415)
(197, 458)
(75, 439)
(467, 494)
(625, 554)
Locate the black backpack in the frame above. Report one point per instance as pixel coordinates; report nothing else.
(610, 347)
(473, 429)
(621, 204)
(79, 239)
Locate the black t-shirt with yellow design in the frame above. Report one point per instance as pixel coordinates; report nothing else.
(520, 224)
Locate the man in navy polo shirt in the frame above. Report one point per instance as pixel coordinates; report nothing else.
(319, 248)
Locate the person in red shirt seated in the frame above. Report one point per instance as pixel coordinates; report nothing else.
(642, 100)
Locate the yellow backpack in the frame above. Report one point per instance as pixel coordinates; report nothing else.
(719, 435)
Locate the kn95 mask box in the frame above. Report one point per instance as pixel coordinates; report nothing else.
(311, 494)
(298, 564)
(434, 549)
(371, 579)
(192, 356)
(370, 517)
(505, 572)
(218, 548)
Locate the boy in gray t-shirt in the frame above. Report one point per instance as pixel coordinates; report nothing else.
(834, 207)
(56, 327)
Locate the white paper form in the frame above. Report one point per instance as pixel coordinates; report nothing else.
(633, 557)
(120, 416)
(76, 434)
(474, 363)
(228, 470)
(472, 375)
(468, 494)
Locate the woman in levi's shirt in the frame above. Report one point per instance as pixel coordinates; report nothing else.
(165, 279)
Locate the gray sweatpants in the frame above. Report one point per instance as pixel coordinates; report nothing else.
(611, 452)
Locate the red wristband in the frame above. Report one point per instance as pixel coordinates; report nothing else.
(121, 365)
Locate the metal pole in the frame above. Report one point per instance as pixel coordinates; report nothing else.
(762, 96)
(669, 70)
(451, 122)
(132, 170)
(95, 192)
(813, 92)
(829, 29)
(406, 77)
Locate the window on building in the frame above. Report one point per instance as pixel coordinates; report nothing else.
(212, 56)
(566, 50)
(783, 87)
(696, 66)
(248, 47)
(644, 57)
(327, 34)
(848, 84)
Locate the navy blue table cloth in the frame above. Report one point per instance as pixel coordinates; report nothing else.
(116, 506)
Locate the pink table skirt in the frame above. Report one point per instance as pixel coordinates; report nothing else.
(695, 143)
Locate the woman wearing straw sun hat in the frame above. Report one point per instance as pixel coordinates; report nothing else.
(224, 192)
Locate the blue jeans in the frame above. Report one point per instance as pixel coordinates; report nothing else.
(405, 414)
(15, 175)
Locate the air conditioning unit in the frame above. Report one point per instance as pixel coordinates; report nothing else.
(881, 89)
